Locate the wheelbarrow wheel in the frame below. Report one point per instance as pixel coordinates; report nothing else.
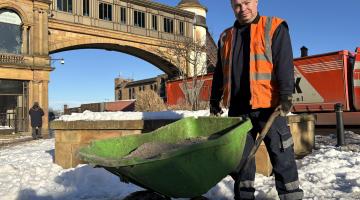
(145, 195)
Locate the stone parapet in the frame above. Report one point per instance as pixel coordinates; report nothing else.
(145, 125)
(70, 136)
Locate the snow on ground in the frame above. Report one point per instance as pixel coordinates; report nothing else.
(5, 127)
(27, 171)
(9, 140)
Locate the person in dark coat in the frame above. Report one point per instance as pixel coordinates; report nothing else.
(36, 114)
(51, 118)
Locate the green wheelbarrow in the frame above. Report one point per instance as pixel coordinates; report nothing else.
(181, 160)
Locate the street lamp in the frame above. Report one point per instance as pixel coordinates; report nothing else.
(62, 61)
(52, 60)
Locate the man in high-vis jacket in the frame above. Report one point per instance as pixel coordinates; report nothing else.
(253, 76)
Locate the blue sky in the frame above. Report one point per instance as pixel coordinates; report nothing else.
(321, 25)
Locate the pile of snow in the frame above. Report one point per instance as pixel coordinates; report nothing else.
(94, 116)
(27, 171)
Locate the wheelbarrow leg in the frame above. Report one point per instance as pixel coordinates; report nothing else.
(199, 198)
(146, 195)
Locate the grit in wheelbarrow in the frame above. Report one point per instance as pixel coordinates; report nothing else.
(184, 172)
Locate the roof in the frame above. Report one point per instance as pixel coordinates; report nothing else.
(190, 3)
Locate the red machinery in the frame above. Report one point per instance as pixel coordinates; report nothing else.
(356, 80)
(175, 94)
(321, 81)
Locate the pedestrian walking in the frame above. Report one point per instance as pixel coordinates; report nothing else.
(36, 113)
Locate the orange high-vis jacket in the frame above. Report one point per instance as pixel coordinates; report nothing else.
(263, 87)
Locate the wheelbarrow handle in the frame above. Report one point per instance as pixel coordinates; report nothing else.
(260, 138)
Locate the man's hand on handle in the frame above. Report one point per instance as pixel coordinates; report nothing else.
(285, 104)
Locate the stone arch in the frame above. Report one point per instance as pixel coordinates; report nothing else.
(142, 53)
(18, 10)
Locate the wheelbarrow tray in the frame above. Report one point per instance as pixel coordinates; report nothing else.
(184, 172)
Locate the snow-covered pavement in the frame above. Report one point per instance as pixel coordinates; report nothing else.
(5, 127)
(27, 171)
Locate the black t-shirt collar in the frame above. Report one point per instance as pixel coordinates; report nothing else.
(255, 21)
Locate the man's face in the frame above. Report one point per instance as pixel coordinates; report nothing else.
(245, 10)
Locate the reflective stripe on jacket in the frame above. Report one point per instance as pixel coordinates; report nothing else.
(263, 88)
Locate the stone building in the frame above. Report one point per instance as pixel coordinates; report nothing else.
(31, 30)
(24, 60)
(126, 89)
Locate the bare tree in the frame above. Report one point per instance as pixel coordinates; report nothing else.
(149, 101)
(190, 57)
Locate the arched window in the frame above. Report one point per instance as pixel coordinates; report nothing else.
(10, 31)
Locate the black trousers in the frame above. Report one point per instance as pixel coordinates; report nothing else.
(36, 132)
(279, 145)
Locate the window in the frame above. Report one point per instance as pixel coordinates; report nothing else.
(14, 96)
(130, 93)
(151, 87)
(154, 23)
(64, 5)
(86, 8)
(123, 15)
(120, 95)
(139, 19)
(168, 25)
(139, 88)
(181, 28)
(162, 88)
(105, 11)
(10, 32)
(155, 87)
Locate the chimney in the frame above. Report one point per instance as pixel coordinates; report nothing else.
(304, 51)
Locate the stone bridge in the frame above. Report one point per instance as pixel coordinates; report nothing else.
(32, 30)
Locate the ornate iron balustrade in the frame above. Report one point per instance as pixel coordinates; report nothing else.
(11, 58)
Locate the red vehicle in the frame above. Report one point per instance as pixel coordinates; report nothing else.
(321, 81)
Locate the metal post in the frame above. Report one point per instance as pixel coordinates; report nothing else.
(16, 128)
(339, 124)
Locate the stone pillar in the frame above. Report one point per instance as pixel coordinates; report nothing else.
(35, 34)
(38, 92)
(41, 65)
(24, 46)
(44, 32)
(35, 91)
(45, 104)
(40, 29)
